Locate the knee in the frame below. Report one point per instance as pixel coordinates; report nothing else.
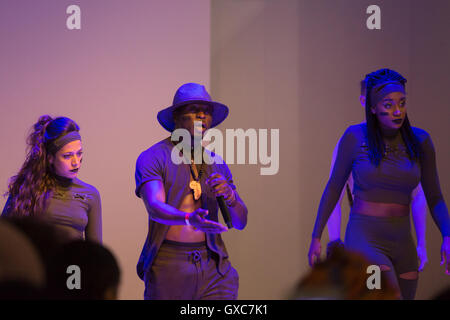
(384, 267)
(412, 275)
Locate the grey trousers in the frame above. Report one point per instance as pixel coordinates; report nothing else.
(385, 241)
(187, 271)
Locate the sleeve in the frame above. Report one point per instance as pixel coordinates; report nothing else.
(431, 186)
(148, 168)
(334, 155)
(339, 175)
(333, 162)
(93, 230)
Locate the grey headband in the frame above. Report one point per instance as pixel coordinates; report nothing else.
(382, 90)
(54, 146)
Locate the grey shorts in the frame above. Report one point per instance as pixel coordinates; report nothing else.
(385, 241)
(187, 271)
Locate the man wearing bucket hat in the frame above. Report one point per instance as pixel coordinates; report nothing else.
(184, 256)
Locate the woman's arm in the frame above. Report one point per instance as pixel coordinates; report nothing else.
(435, 200)
(432, 188)
(419, 211)
(93, 230)
(334, 222)
(333, 189)
(339, 176)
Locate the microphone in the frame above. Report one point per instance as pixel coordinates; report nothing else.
(225, 213)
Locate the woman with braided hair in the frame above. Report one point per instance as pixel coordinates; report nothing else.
(47, 185)
(387, 158)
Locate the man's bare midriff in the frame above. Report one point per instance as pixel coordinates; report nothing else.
(379, 209)
(186, 233)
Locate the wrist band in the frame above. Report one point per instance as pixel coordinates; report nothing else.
(186, 219)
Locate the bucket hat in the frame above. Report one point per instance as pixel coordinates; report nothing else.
(190, 93)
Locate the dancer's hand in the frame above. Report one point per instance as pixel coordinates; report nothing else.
(445, 254)
(198, 221)
(314, 252)
(422, 255)
(220, 187)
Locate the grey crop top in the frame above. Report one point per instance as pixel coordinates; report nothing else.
(395, 177)
(391, 182)
(75, 207)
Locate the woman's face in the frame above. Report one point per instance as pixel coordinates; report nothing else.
(391, 110)
(67, 160)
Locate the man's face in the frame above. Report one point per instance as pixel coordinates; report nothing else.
(185, 117)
